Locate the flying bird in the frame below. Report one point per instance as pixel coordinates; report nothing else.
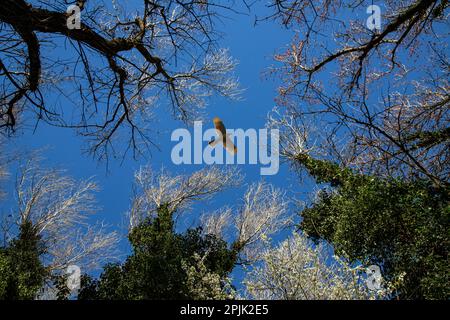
(222, 137)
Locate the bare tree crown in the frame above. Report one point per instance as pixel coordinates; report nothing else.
(380, 97)
(106, 78)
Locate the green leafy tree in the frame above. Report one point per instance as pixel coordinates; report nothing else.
(402, 226)
(195, 264)
(157, 267)
(48, 231)
(22, 273)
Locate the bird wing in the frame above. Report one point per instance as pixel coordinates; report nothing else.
(218, 124)
(223, 136)
(229, 145)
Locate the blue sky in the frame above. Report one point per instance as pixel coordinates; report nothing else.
(253, 47)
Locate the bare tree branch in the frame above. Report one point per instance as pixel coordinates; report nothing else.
(381, 97)
(176, 193)
(59, 208)
(116, 68)
(298, 270)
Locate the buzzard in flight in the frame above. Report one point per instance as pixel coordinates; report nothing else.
(223, 137)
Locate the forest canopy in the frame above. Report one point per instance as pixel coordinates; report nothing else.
(361, 104)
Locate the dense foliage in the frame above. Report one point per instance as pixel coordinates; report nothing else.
(156, 268)
(400, 225)
(22, 273)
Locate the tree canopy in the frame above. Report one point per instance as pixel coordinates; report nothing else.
(157, 268)
(362, 108)
(399, 225)
(22, 273)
